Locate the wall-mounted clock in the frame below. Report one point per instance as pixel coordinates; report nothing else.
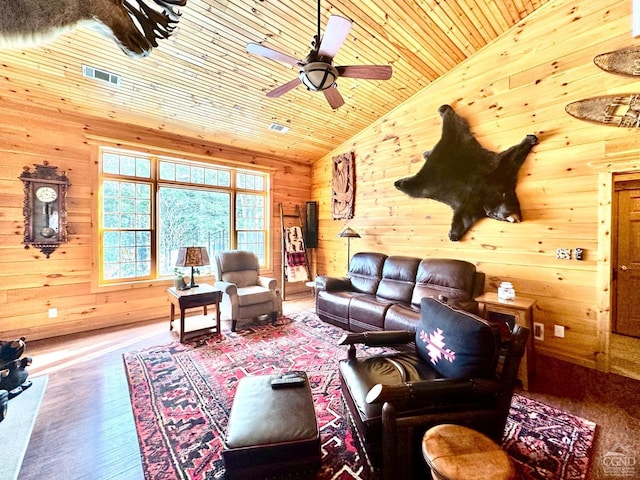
(45, 207)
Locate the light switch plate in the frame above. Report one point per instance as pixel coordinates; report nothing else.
(558, 331)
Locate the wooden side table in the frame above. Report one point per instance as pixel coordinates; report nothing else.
(200, 296)
(518, 311)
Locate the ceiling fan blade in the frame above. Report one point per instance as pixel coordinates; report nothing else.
(272, 54)
(282, 89)
(367, 72)
(334, 36)
(333, 97)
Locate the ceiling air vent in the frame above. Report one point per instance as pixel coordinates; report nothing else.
(276, 127)
(103, 76)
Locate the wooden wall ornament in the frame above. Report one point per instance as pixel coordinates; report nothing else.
(621, 110)
(45, 207)
(472, 180)
(343, 186)
(625, 61)
(613, 110)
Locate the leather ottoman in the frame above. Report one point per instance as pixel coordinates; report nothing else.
(454, 452)
(271, 432)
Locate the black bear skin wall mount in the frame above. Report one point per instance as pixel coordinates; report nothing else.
(472, 180)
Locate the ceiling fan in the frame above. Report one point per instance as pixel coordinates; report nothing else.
(317, 72)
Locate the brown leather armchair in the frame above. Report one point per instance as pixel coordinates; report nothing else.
(456, 368)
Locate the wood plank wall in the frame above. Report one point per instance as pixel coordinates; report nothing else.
(517, 85)
(30, 284)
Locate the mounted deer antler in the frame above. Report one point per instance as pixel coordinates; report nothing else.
(135, 25)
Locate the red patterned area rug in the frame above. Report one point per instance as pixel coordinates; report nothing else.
(546, 443)
(181, 396)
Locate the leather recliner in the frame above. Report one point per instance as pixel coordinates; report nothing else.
(246, 294)
(455, 368)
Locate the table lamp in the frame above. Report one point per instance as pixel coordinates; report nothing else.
(192, 257)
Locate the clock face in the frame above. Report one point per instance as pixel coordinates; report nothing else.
(46, 194)
(47, 232)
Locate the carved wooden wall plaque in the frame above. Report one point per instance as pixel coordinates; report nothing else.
(343, 186)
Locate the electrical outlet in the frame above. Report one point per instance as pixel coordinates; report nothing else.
(563, 253)
(53, 313)
(558, 331)
(538, 330)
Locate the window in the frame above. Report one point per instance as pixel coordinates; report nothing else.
(151, 206)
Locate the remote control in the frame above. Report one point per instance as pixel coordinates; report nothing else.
(15, 392)
(287, 382)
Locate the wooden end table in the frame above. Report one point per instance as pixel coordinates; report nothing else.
(518, 311)
(200, 296)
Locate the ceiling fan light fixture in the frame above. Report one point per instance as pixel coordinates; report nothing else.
(317, 76)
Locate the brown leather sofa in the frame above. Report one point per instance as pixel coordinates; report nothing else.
(383, 292)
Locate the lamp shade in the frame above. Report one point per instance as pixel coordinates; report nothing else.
(318, 76)
(192, 257)
(348, 232)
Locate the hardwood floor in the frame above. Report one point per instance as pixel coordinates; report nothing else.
(85, 427)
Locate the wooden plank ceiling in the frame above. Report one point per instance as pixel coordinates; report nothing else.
(201, 82)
